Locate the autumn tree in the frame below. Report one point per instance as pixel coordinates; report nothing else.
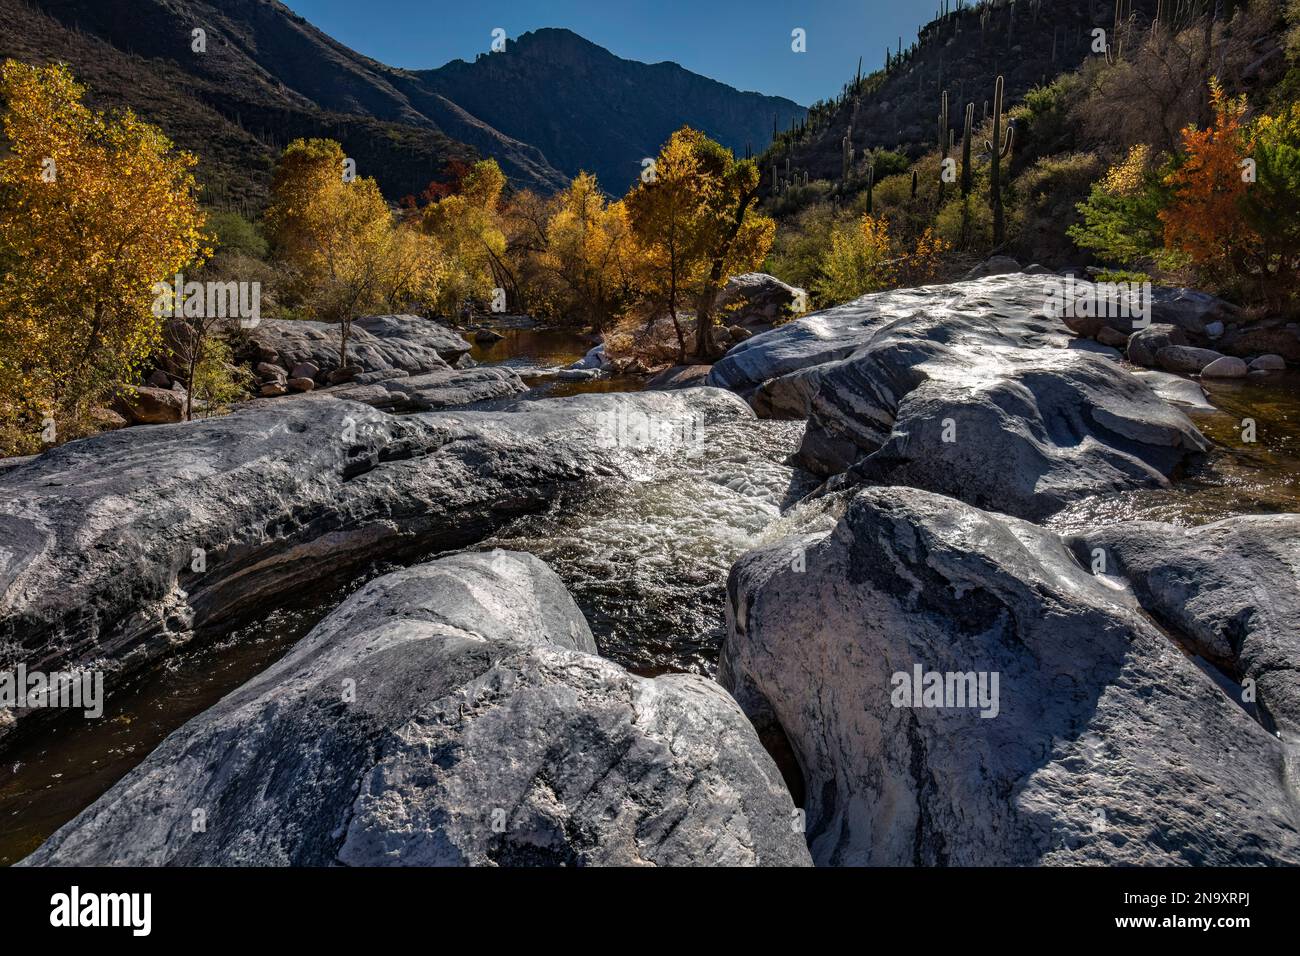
(692, 217)
(586, 253)
(95, 209)
(468, 229)
(334, 231)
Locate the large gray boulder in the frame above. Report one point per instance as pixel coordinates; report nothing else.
(1191, 310)
(1103, 744)
(117, 549)
(954, 403)
(1230, 590)
(376, 344)
(454, 713)
(446, 388)
(756, 299)
(1017, 303)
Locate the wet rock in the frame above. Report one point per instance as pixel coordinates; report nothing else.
(484, 730)
(97, 536)
(1185, 359)
(1145, 343)
(487, 336)
(144, 405)
(1268, 363)
(1229, 590)
(595, 358)
(1226, 366)
(1109, 745)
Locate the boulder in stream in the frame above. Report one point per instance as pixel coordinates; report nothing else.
(117, 549)
(957, 690)
(453, 713)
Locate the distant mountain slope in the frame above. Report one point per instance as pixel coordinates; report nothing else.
(223, 106)
(586, 108)
(1028, 43)
(550, 106)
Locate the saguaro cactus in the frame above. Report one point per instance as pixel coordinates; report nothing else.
(999, 149)
(965, 150)
(945, 139)
(915, 181)
(871, 185)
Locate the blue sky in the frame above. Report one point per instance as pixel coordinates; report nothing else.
(745, 43)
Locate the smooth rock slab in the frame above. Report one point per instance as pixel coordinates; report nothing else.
(376, 344)
(957, 404)
(1110, 746)
(1227, 366)
(434, 390)
(1231, 589)
(97, 536)
(1185, 359)
(484, 730)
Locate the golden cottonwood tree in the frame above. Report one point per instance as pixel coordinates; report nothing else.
(586, 253)
(94, 210)
(693, 222)
(335, 233)
(468, 228)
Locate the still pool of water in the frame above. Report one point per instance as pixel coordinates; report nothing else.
(533, 352)
(1236, 477)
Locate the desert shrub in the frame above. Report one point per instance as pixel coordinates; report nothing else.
(1120, 219)
(231, 233)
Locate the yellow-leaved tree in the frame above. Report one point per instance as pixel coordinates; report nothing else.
(468, 228)
(587, 254)
(693, 220)
(336, 235)
(95, 209)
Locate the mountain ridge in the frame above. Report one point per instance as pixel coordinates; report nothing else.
(267, 75)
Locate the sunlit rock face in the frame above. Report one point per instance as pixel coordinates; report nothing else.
(453, 713)
(974, 390)
(1084, 735)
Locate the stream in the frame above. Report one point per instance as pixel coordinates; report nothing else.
(647, 563)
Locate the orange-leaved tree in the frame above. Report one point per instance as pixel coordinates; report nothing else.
(1204, 219)
(95, 209)
(692, 217)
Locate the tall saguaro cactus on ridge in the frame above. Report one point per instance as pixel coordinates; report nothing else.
(999, 149)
